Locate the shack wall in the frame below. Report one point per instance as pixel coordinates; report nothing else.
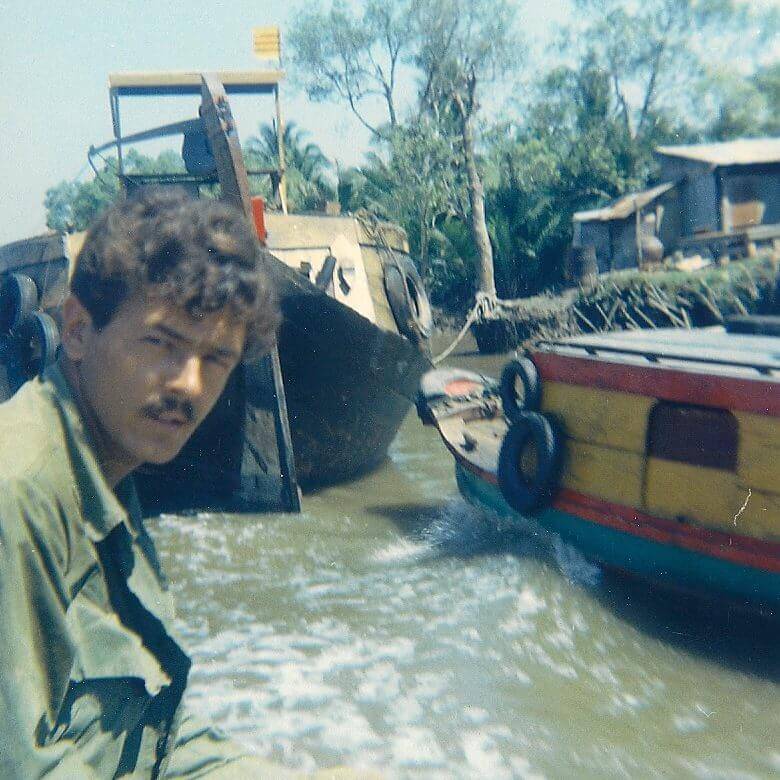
(699, 198)
(596, 234)
(669, 210)
(623, 233)
(700, 205)
(750, 195)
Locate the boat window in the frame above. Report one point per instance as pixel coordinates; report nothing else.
(693, 434)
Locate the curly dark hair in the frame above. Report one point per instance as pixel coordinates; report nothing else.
(199, 254)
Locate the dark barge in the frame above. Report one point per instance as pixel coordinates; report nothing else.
(352, 346)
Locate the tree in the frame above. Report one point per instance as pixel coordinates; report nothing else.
(747, 106)
(414, 182)
(307, 169)
(73, 205)
(659, 54)
(58, 203)
(462, 45)
(336, 54)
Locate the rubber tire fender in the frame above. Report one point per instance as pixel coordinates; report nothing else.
(407, 298)
(528, 495)
(39, 340)
(18, 299)
(521, 368)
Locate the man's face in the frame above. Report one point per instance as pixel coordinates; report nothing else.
(153, 373)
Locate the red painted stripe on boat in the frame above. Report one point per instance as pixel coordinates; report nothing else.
(747, 395)
(744, 550)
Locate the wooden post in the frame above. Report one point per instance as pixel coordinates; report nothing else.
(223, 138)
(284, 442)
(280, 146)
(115, 120)
(638, 230)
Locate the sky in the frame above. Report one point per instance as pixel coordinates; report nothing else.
(55, 57)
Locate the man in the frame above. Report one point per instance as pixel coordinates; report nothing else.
(166, 297)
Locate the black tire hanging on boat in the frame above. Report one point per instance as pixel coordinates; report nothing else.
(521, 368)
(408, 299)
(18, 299)
(39, 340)
(530, 493)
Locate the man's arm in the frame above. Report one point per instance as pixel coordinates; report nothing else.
(36, 651)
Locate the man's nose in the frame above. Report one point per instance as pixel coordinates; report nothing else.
(188, 379)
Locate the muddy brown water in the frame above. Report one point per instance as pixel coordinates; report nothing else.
(392, 625)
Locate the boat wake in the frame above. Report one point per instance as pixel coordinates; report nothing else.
(574, 566)
(461, 530)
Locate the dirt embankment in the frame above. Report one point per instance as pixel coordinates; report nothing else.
(631, 300)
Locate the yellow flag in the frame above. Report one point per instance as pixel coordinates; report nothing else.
(266, 43)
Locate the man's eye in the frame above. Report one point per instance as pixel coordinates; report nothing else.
(216, 360)
(156, 341)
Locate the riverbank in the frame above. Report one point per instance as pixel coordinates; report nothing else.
(633, 299)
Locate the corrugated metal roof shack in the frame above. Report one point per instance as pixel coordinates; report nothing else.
(624, 233)
(716, 198)
(725, 187)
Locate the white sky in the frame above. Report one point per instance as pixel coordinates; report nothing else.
(55, 57)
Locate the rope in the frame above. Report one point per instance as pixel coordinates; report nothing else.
(483, 308)
(469, 320)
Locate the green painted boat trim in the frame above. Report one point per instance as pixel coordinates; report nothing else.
(663, 564)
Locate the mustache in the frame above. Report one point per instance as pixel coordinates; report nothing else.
(167, 404)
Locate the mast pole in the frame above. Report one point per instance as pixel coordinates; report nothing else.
(280, 147)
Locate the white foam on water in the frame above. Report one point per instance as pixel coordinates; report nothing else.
(539, 653)
(301, 688)
(347, 731)
(476, 716)
(379, 683)
(528, 603)
(403, 551)
(417, 747)
(430, 685)
(574, 565)
(291, 724)
(603, 674)
(406, 710)
(521, 768)
(688, 725)
(483, 756)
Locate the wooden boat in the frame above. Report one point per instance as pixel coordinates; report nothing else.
(352, 347)
(654, 453)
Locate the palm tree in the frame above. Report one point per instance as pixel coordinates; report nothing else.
(307, 169)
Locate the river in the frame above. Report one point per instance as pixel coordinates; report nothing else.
(391, 625)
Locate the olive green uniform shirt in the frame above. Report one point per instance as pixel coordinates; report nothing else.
(91, 674)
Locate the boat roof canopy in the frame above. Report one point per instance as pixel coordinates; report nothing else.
(247, 82)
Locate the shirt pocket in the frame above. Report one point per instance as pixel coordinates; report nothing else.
(106, 648)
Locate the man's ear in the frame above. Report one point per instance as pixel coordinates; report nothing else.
(76, 329)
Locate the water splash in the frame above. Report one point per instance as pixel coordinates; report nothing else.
(574, 565)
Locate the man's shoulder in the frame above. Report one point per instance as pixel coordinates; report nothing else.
(32, 514)
(30, 432)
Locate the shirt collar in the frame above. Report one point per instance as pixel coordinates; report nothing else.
(102, 508)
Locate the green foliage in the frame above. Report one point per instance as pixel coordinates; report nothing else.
(747, 107)
(462, 40)
(661, 55)
(307, 173)
(452, 278)
(586, 134)
(414, 181)
(73, 205)
(353, 55)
